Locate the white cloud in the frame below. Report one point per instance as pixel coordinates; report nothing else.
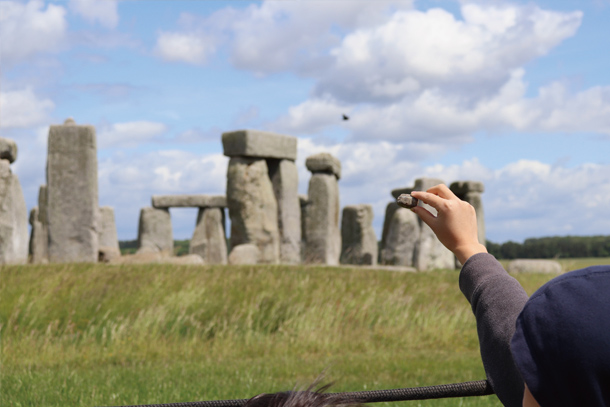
(416, 51)
(104, 12)
(274, 35)
(22, 108)
(129, 134)
(29, 28)
(189, 48)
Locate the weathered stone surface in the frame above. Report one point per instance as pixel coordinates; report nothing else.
(430, 253)
(322, 234)
(534, 266)
(285, 180)
(399, 191)
(108, 254)
(387, 221)
(43, 207)
(209, 238)
(155, 231)
(189, 201)
(325, 163)
(8, 150)
(470, 191)
(39, 236)
(262, 144)
(245, 254)
(252, 207)
(13, 218)
(402, 235)
(72, 193)
(359, 243)
(107, 234)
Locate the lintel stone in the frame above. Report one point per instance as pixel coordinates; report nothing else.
(189, 201)
(261, 144)
(325, 163)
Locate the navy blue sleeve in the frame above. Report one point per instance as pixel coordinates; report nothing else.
(496, 299)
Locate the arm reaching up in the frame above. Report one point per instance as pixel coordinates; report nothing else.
(495, 297)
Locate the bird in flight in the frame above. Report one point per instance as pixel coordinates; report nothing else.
(345, 117)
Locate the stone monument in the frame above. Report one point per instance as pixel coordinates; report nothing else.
(359, 242)
(155, 233)
(209, 238)
(13, 211)
(39, 238)
(262, 194)
(72, 193)
(108, 238)
(322, 234)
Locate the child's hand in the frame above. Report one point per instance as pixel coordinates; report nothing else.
(455, 225)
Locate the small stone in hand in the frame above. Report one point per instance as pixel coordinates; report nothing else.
(407, 201)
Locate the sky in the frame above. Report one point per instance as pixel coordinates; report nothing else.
(513, 94)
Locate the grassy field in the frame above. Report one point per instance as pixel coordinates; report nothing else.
(103, 335)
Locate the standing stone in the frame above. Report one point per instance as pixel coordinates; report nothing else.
(72, 193)
(402, 236)
(359, 243)
(430, 253)
(13, 218)
(285, 180)
(252, 207)
(470, 191)
(108, 237)
(8, 150)
(155, 232)
(322, 234)
(209, 239)
(39, 238)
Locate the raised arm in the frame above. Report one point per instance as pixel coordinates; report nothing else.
(495, 297)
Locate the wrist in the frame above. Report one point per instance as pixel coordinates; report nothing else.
(465, 252)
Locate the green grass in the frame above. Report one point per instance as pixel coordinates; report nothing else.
(114, 335)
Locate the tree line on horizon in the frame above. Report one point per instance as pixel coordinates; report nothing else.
(552, 247)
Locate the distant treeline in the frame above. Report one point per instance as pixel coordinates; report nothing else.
(552, 247)
(181, 247)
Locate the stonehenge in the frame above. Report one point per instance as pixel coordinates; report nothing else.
(359, 243)
(155, 233)
(262, 197)
(13, 210)
(271, 223)
(39, 238)
(72, 193)
(107, 235)
(322, 240)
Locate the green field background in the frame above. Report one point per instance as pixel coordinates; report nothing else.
(100, 335)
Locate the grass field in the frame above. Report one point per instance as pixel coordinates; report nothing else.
(103, 335)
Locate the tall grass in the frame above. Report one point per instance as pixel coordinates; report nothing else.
(133, 334)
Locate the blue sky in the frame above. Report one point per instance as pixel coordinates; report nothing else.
(513, 94)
